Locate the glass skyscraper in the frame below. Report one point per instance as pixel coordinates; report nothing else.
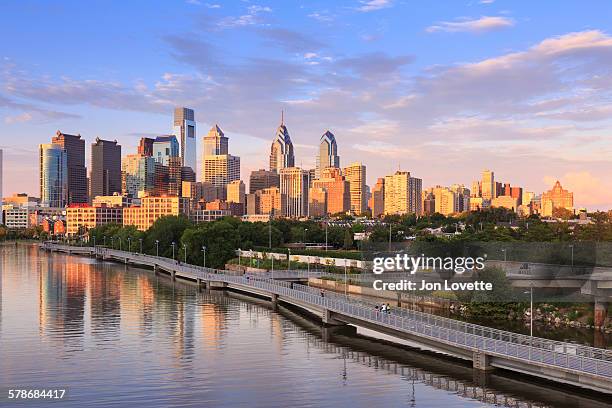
(328, 153)
(53, 175)
(165, 147)
(185, 132)
(281, 152)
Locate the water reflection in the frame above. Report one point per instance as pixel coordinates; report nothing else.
(126, 336)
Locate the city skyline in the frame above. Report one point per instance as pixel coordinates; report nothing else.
(442, 92)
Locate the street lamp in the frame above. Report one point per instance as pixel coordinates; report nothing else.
(104, 239)
(504, 251)
(129, 244)
(239, 255)
(113, 242)
(120, 243)
(530, 309)
(185, 249)
(157, 247)
(173, 245)
(345, 280)
(389, 236)
(572, 247)
(140, 245)
(325, 234)
(204, 250)
(289, 259)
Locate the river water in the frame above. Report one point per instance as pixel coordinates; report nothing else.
(118, 336)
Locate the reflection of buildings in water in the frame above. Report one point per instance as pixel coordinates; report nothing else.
(146, 295)
(213, 325)
(105, 301)
(62, 295)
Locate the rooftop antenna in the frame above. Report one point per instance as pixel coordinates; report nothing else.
(282, 117)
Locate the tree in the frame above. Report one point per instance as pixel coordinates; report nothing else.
(166, 229)
(348, 239)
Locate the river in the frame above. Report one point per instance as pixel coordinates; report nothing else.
(122, 336)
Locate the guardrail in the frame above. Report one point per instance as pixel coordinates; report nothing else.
(453, 332)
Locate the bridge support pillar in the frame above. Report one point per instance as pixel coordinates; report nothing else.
(274, 300)
(173, 273)
(600, 313)
(481, 361)
(329, 321)
(399, 299)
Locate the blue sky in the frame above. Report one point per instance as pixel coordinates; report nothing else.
(442, 89)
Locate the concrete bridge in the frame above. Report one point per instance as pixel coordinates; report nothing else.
(485, 347)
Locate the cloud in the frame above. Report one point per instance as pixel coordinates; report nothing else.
(373, 5)
(480, 25)
(487, 1)
(289, 40)
(590, 190)
(321, 16)
(374, 64)
(252, 17)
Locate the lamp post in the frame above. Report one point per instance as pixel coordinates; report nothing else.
(572, 248)
(289, 259)
(120, 243)
(157, 247)
(173, 245)
(104, 240)
(389, 237)
(326, 234)
(204, 250)
(530, 309)
(345, 280)
(113, 242)
(504, 251)
(140, 245)
(239, 257)
(94, 241)
(185, 249)
(129, 244)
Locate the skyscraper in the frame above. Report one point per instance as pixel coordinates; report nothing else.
(105, 176)
(145, 146)
(403, 194)
(328, 153)
(137, 174)
(337, 189)
(219, 169)
(77, 172)
(165, 147)
(215, 142)
(487, 186)
(53, 166)
(236, 192)
(557, 197)
(261, 179)
(355, 174)
(185, 132)
(378, 198)
(281, 152)
(294, 190)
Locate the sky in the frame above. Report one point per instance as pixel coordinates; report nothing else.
(442, 89)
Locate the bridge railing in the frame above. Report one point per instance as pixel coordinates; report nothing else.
(467, 335)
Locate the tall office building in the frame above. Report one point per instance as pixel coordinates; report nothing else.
(557, 197)
(165, 147)
(145, 146)
(137, 175)
(488, 187)
(281, 151)
(236, 192)
(328, 153)
(185, 132)
(219, 169)
(294, 190)
(53, 170)
(355, 174)
(105, 176)
(378, 198)
(261, 179)
(215, 142)
(77, 172)
(403, 194)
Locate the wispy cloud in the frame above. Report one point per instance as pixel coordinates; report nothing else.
(482, 24)
(252, 17)
(373, 5)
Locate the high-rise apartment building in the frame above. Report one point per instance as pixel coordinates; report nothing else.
(77, 172)
(80, 218)
(281, 151)
(164, 148)
(488, 186)
(175, 176)
(355, 174)
(328, 153)
(317, 202)
(53, 170)
(271, 201)
(145, 146)
(403, 194)
(294, 188)
(219, 169)
(151, 209)
(215, 142)
(378, 198)
(185, 132)
(137, 175)
(337, 188)
(1, 193)
(105, 176)
(261, 179)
